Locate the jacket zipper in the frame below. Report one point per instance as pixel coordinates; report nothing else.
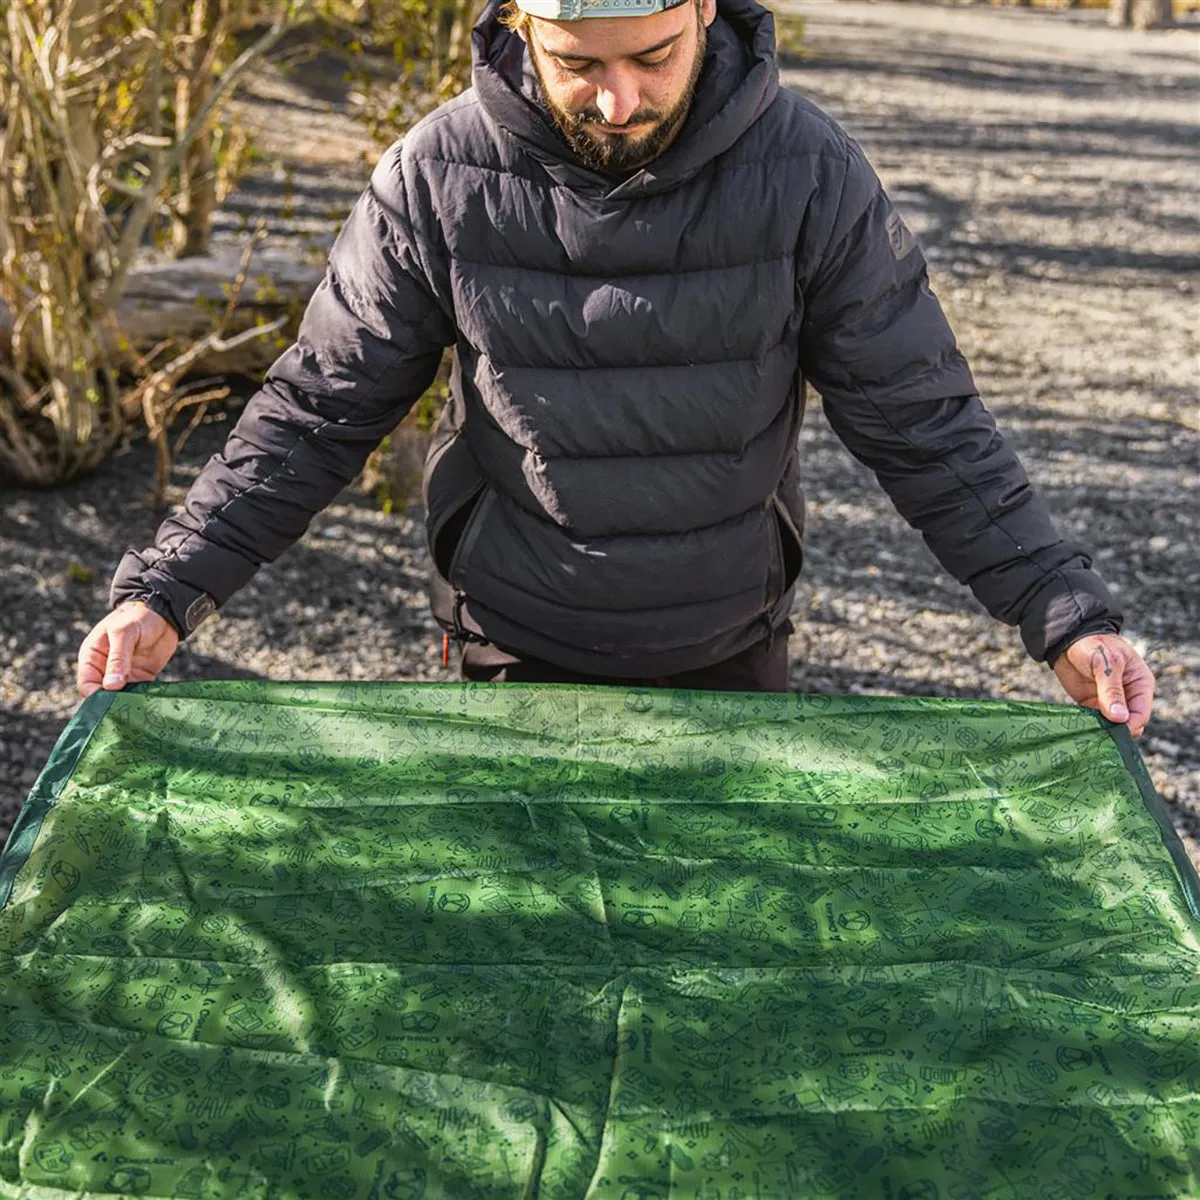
(470, 534)
(777, 512)
(430, 467)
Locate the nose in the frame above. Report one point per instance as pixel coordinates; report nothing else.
(617, 97)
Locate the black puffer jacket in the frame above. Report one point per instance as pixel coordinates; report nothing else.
(614, 486)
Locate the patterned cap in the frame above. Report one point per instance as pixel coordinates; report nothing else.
(575, 10)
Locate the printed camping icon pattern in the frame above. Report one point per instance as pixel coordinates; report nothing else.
(416, 941)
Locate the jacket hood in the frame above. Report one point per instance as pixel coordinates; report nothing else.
(738, 82)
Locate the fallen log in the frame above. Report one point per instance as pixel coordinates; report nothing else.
(181, 301)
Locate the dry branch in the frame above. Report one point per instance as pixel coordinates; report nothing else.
(85, 167)
(158, 396)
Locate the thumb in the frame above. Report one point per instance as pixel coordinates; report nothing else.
(120, 654)
(1108, 670)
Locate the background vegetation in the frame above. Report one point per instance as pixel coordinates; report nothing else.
(117, 148)
(115, 153)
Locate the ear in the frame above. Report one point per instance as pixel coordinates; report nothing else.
(708, 11)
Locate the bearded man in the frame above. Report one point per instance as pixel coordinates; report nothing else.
(640, 248)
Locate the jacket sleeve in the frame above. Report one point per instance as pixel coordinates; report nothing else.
(369, 345)
(899, 394)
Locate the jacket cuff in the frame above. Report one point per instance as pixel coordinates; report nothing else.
(1072, 602)
(1102, 625)
(139, 577)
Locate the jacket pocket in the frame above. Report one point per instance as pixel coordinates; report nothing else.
(789, 549)
(467, 522)
(452, 487)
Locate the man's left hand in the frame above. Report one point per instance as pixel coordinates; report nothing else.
(1105, 672)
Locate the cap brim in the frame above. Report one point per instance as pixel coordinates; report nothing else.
(578, 10)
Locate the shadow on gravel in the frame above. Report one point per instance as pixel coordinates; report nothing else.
(1159, 141)
(1018, 258)
(54, 527)
(931, 213)
(1135, 443)
(318, 72)
(1010, 143)
(847, 682)
(303, 194)
(190, 666)
(26, 739)
(1037, 77)
(1061, 209)
(1171, 738)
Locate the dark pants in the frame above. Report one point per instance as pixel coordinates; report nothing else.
(762, 667)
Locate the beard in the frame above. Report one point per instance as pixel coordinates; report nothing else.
(618, 153)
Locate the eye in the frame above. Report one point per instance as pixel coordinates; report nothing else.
(657, 59)
(574, 66)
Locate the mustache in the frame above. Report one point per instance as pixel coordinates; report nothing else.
(593, 116)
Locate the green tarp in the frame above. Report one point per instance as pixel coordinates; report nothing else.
(411, 941)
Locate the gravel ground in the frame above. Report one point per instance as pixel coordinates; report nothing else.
(1048, 164)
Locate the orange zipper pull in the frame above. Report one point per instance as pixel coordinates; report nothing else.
(445, 649)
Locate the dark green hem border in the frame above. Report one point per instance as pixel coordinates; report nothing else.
(49, 784)
(1189, 879)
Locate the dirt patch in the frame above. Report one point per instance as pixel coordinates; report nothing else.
(1048, 164)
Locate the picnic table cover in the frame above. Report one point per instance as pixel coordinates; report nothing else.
(412, 941)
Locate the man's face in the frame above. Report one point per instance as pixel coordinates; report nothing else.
(619, 88)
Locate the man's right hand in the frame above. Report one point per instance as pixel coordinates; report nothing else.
(131, 645)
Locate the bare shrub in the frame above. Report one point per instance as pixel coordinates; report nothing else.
(110, 142)
(87, 161)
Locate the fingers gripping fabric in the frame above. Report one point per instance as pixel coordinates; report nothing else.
(460, 941)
